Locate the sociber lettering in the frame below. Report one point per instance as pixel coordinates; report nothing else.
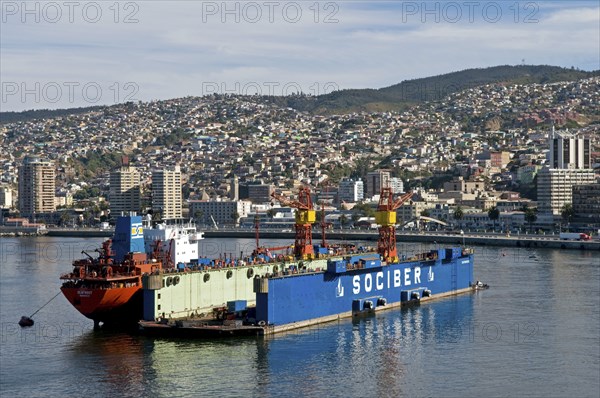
(378, 280)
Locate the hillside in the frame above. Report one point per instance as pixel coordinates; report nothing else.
(411, 92)
(12, 117)
(397, 97)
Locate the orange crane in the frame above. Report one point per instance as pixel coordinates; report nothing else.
(386, 218)
(305, 216)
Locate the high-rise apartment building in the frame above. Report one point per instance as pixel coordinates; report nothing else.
(36, 186)
(555, 187)
(569, 165)
(124, 194)
(397, 185)
(376, 180)
(586, 202)
(350, 190)
(166, 193)
(569, 151)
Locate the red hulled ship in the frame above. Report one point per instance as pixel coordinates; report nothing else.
(108, 289)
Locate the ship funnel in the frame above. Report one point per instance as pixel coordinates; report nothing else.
(128, 238)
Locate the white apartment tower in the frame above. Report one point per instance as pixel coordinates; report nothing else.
(36, 186)
(166, 193)
(569, 165)
(350, 190)
(555, 187)
(568, 151)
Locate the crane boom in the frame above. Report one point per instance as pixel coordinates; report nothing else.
(291, 203)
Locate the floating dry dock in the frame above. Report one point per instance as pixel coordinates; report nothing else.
(348, 286)
(359, 284)
(319, 283)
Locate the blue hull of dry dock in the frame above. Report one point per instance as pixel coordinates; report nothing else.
(302, 298)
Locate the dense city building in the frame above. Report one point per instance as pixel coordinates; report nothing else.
(396, 185)
(256, 192)
(36, 186)
(586, 202)
(219, 212)
(124, 194)
(6, 197)
(281, 147)
(555, 187)
(459, 184)
(526, 174)
(350, 190)
(569, 151)
(166, 193)
(499, 159)
(377, 180)
(234, 189)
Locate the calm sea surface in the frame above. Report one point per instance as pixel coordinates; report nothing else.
(535, 332)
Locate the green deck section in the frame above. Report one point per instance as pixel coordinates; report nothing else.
(197, 295)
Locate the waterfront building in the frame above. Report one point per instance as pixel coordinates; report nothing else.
(6, 197)
(256, 192)
(36, 186)
(555, 187)
(411, 210)
(166, 193)
(586, 202)
(124, 193)
(222, 212)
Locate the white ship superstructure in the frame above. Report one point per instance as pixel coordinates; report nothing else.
(181, 240)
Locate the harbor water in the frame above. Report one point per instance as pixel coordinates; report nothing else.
(535, 332)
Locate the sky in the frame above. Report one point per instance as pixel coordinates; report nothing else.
(62, 54)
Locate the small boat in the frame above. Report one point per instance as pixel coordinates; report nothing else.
(480, 285)
(25, 321)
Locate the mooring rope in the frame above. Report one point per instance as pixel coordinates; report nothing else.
(59, 292)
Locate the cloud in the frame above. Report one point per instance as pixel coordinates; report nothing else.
(178, 48)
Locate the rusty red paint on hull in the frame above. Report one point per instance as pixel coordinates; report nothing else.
(119, 304)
